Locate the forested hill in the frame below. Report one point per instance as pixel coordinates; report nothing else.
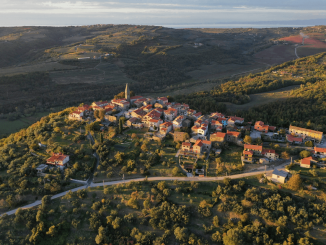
(307, 103)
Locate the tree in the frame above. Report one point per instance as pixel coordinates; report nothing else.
(295, 182)
(116, 223)
(176, 171)
(233, 237)
(52, 231)
(215, 221)
(96, 114)
(120, 125)
(305, 153)
(101, 237)
(285, 155)
(46, 201)
(217, 237)
(247, 139)
(181, 234)
(101, 114)
(309, 143)
(144, 148)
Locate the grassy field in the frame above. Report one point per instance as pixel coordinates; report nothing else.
(8, 127)
(263, 98)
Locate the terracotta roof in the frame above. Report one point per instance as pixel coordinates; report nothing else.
(233, 133)
(198, 143)
(260, 123)
(254, 147)
(247, 152)
(271, 128)
(306, 130)
(235, 118)
(136, 97)
(56, 157)
(195, 127)
(133, 119)
(306, 161)
(268, 151)
(160, 110)
(154, 120)
(319, 149)
(99, 103)
(219, 134)
(207, 142)
(291, 138)
(186, 143)
(162, 98)
(197, 114)
(166, 124)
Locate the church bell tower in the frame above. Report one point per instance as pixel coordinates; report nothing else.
(127, 93)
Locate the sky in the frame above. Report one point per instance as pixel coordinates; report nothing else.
(160, 12)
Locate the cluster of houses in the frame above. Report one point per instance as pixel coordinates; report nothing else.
(207, 131)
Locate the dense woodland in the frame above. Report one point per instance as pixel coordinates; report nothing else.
(167, 213)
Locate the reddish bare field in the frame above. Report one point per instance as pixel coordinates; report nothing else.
(276, 54)
(312, 41)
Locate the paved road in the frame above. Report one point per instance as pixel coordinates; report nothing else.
(236, 176)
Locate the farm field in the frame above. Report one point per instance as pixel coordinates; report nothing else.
(276, 54)
(263, 98)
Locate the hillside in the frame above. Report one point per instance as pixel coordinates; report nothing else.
(183, 212)
(302, 104)
(41, 63)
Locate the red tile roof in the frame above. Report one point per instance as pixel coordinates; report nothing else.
(268, 151)
(319, 149)
(291, 138)
(136, 97)
(247, 152)
(186, 144)
(198, 143)
(219, 134)
(166, 124)
(253, 147)
(56, 157)
(207, 142)
(233, 133)
(306, 161)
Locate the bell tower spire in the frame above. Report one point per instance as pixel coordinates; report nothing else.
(127, 93)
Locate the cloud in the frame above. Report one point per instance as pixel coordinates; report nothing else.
(155, 12)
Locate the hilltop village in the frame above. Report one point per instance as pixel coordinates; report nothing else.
(204, 137)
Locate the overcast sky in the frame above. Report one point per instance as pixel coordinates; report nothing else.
(157, 12)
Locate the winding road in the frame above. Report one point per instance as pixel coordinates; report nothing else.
(201, 179)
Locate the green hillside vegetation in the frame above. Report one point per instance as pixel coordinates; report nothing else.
(306, 103)
(20, 154)
(232, 212)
